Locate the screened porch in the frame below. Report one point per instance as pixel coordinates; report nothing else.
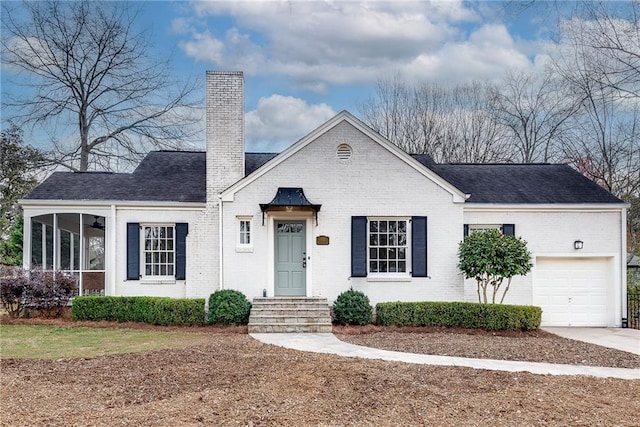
(70, 242)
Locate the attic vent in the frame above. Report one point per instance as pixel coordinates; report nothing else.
(343, 152)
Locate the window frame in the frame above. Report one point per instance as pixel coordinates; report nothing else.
(143, 252)
(408, 253)
(243, 246)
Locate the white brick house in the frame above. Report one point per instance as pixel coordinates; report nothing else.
(340, 208)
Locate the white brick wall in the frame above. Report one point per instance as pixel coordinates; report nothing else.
(202, 254)
(158, 215)
(373, 183)
(225, 166)
(551, 233)
(225, 131)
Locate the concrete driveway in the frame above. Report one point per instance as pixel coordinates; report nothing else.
(624, 339)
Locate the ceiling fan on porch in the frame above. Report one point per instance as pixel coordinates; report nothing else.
(96, 224)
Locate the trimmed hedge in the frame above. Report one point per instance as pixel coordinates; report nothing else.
(490, 317)
(154, 310)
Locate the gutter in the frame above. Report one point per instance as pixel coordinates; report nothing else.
(220, 246)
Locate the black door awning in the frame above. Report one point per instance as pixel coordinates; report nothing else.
(289, 199)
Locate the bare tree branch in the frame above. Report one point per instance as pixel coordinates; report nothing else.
(535, 110)
(449, 124)
(90, 69)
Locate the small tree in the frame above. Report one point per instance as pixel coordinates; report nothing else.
(489, 257)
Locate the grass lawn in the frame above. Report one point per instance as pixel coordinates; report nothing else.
(55, 342)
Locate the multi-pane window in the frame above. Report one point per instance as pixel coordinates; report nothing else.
(388, 246)
(158, 251)
(245, 231)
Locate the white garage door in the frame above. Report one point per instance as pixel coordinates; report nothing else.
(573, 291)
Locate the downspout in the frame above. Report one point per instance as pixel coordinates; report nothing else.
(623, 262)
(220, 257)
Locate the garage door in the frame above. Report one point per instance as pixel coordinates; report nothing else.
(573, 291)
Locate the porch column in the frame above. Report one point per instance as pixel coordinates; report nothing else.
(26, 241)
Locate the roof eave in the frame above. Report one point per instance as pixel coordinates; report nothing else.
(595, 207)
(134, 203)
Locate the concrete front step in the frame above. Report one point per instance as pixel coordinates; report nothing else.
(290, 303)
(290, 314)
(300, 312)
(259, 318)
(289, 328)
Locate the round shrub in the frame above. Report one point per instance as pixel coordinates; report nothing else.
(228, 307)
(352, 308)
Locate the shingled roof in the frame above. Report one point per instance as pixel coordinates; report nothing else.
(180, 176)
(161, 176)
(176, 176)
(522, 183)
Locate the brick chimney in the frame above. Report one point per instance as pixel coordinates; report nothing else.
(225, 130)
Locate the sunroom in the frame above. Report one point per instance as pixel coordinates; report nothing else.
(72, 242)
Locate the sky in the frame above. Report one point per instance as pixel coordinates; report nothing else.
(305, 61)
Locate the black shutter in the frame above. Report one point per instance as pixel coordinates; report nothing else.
(182, 229)
(466, 230)
(133, 251)
(419, 246)
(509, 229)
(358, 246)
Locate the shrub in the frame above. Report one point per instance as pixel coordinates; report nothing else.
(154, 310)
(52, 291)
(352, 308)
(49, 292)
(490, 317)
(229, 307)
(14, 291)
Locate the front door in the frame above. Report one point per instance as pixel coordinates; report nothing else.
(290, 258)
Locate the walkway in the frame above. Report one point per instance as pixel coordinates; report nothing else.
(328, 343)
(625, 339)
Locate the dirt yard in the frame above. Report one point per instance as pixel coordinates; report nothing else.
(534, 346)
(236, 381)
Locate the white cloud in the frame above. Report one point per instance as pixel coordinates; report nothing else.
(486, 55)
(205, 47)
(279, 121)
(346, 42)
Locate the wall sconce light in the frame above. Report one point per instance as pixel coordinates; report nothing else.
(578, 244)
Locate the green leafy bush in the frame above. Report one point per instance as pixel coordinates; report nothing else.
(154, 310)
(352, 308)
(490, 317)
(229, 307)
